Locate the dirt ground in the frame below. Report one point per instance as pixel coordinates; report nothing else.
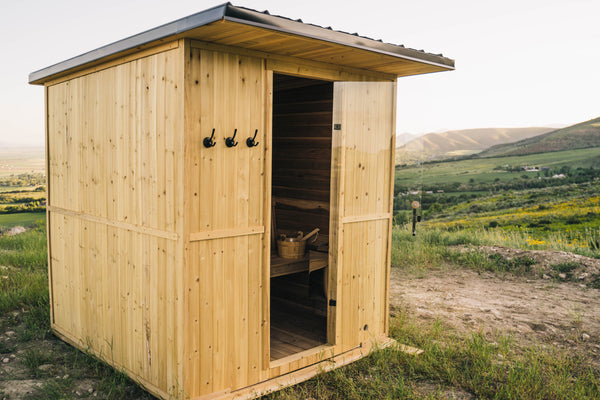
(557, 309)
(560, 311)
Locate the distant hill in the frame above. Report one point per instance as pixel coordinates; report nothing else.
(404, 138)
(579, 136)
(461, 142)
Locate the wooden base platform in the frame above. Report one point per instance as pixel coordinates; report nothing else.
(294, 329)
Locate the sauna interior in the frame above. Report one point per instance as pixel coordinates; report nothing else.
(300, 198)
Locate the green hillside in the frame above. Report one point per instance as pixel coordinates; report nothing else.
(481, 170)
(461, 142)
(438, 185)
(579, 136)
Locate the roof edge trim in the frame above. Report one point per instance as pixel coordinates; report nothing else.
(163, 31)
(448, 66)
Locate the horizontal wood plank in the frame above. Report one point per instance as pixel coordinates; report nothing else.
(116, 224)
(363, 218)
(226, 233)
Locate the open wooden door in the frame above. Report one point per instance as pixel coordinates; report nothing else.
(361, 211)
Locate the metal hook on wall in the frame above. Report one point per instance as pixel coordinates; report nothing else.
(250, 142)
(208, 141)
(230, 141)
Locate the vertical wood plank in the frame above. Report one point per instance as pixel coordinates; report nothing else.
(226, 190)
(114, 146)
(392, 167)
(365, 114)
(265, 277)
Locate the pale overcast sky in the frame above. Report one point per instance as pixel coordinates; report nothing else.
(518, 62)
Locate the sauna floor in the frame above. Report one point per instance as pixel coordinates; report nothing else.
(293, 330)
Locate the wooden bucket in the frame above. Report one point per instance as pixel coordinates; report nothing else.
(291, 249)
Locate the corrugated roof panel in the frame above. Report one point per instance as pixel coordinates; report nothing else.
(242, 27)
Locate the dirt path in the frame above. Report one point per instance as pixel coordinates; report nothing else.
(563, 314)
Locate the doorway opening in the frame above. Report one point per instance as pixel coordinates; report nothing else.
(300, 193)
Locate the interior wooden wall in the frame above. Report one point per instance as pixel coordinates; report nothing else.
(115, 214)
(226, 320)
(302, 115)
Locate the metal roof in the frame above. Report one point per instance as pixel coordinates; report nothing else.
(248, 17)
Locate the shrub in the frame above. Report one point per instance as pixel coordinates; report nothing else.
(565, 267)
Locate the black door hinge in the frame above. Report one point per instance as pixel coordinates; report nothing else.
(332, 303)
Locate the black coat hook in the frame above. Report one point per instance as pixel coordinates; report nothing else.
(208, 141)
(230, 141)
(250, 141)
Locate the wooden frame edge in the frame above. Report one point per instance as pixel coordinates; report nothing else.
(388, 272)
(48, 236)
(303, 374)
(266, 264)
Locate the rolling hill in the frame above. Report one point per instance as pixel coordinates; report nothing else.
(461, 142)
(403, 138)
(580, 136)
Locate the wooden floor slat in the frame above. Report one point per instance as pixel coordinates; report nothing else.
(293, 330)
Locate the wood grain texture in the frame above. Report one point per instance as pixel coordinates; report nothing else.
(361, 200)
(225, 192)
(159, 254)
(295, 66)
(302, 115)
(114, 140)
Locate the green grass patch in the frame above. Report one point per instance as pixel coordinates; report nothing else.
(25, 219)
(23, 269)
(436, 248)
(33, 358)
(565, 267)
(487, 169)
(471, 364)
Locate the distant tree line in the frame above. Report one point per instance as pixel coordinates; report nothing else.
(22, 180)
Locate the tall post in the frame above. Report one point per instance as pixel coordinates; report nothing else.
(415, 204)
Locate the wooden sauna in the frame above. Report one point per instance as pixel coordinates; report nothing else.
(176, 158)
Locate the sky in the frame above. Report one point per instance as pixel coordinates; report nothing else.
(518, 62)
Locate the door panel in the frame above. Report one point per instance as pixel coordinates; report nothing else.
(363, 119)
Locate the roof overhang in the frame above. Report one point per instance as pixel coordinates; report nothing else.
(249, 29)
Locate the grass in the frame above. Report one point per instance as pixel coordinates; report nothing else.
(483, 169)
(22, 219)
(565, 267)
(435, 249)
(24, 303)
(23, 273)
(486, 367)
(33, 358)
(564, 218)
